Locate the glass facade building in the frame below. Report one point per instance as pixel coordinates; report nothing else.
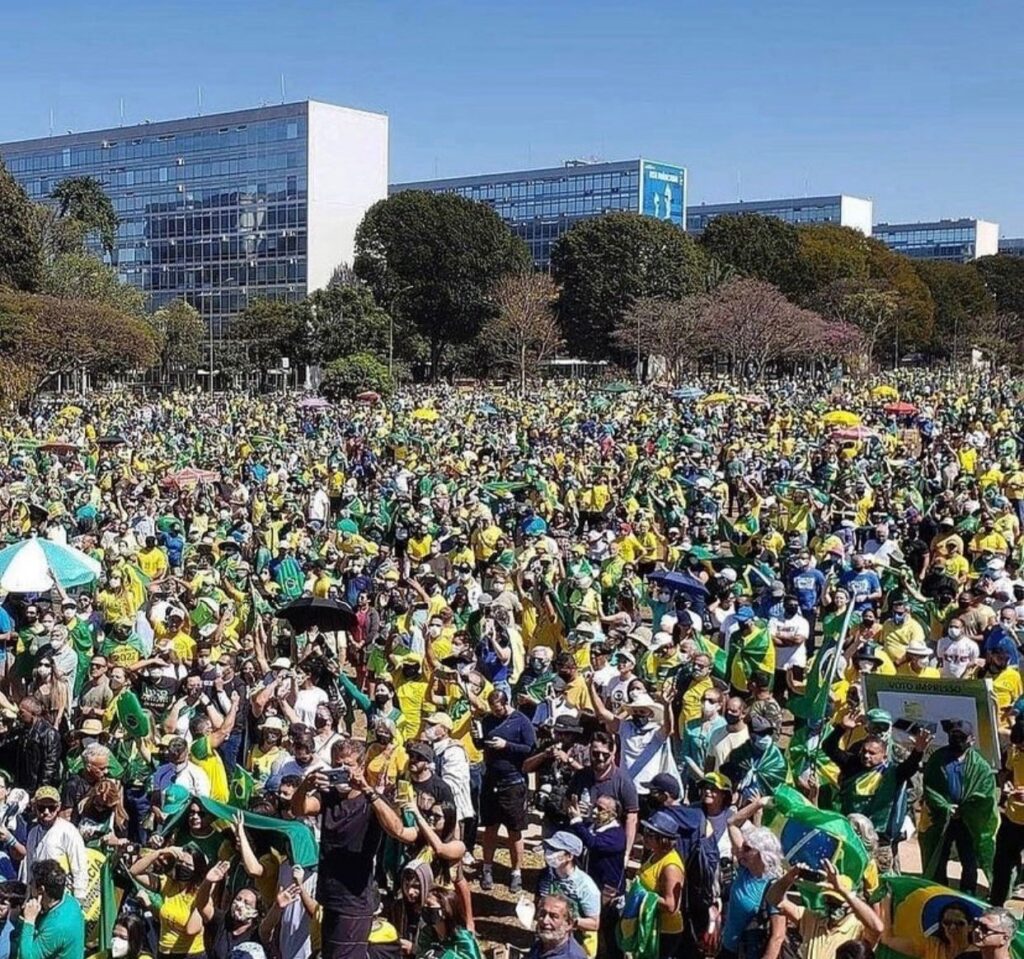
(958, 241)
(541, 205)
(841, 209)
(226, 208)
(1012, 246)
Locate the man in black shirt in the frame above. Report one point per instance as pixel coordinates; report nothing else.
(353, 820)
(423, 775)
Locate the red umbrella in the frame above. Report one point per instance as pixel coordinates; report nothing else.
(854, 433)
(190, 476)
(900, 409)
(369, 396)
(59, 447)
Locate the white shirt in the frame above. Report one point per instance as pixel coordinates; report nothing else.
(786, 657)
(194, 779)
(319, 506)
(62, 841)
(453, 768)
(645, 753)
(306, 702)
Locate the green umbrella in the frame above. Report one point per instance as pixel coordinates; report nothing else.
(617, 387)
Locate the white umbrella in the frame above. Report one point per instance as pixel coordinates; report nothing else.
(32, 565)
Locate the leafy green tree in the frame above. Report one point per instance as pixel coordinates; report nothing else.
(762, 247)
(345, 319)
(21, 261)
(270, 331)
(81, 275)
(181, 333)
(869, 305)
(827, 253)
(914, 322)
(83, 200)
(963, 306)
(347, 377)
(604, 264)
(1003, 277)
(432, 260)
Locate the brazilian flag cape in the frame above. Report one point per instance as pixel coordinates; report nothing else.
(637, 930)
(812, 704)
(739, 534)
(288, 575)
(297, 836)
(917, 906)
(978, 809)
(750, 654)
(811, 835)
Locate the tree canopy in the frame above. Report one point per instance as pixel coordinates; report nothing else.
(1003, 277)
(83, 200)
(269, 331)
(524, 332)
(963, 305)
(604, 264)
(80, 275)
(181, 333)
(432, 259)
(21, 260)
(762, 247)
(344, 318)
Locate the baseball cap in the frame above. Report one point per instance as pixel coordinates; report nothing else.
(282, 662)
(957, 726)
(744, 614)
(273, 722)
(879, 717)
(91, 727)
(46, 794)
(761, 725)
(420, 750)
(566, 842)
(728, 574)
(778, 588)
(664, 782)
(717, 780)
(441, 719)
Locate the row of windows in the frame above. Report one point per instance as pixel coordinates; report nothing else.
(199, 252)
(531, 189)
(247, 137)
(920, 237)
(572, 206)
(292, 188)
(172, 278)
(224, 222)
(698, 221)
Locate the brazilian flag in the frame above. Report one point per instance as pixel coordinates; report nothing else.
(739, 534)
(240, 788)
(917, 907)
(750, 654)
(811, 835)
(637, 931)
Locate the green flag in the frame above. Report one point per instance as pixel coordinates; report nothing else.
(750, 654)
(131, 715)
(637, 930)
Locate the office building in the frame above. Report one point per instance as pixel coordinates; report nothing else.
(958, 241)
(226, 208)
(841, 209)
(1012, 246)
(540, 205)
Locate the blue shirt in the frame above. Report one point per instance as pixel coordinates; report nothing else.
(861, 584)
(954, 771)
(744, 900)
(577, 887)
(808, 584)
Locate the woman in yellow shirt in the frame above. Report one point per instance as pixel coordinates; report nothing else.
(662, 874)
(181, 925)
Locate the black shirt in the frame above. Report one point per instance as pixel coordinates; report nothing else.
(73, 793)
(220, 941)
(349, 839)
(437, 788)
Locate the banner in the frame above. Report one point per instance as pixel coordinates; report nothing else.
(913, 701)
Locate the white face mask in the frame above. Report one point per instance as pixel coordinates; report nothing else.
(955, 669)
(118, 947)
(709, 710)
(955, 632)
(553, 860)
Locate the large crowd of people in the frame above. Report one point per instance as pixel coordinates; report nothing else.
(466, 668)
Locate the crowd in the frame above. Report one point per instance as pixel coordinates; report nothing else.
(326, 678)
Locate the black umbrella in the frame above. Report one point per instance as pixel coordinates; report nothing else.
(307, 611)
(112, 440)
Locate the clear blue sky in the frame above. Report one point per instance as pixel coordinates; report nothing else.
(915, 104)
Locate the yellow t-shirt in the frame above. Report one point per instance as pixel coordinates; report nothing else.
(1008, 688)
(174, 914)
(650, 876)
(1015, 766)
(153, 562)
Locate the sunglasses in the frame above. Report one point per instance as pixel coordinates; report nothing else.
(46, 807)
(954, 923)
(597, 755)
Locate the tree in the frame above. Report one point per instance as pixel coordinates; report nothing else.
(81, 275)
(606, 263)
(1003, 277)
(21, 262)
(83, 200)
(270, 331)
(432, 259)
(914, 322)
(754, 325)
(181, 334)
(962, 304)
(524, 332)
(45, 336)
(347, 377)
(345, 319)
(827, 253)
(868, 305)
(673, 332)
(762, 247)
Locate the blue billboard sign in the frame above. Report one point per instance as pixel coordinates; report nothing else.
(662, 191)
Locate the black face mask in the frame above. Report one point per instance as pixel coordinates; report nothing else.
(183, 873)
(381, 699)
(792, 610)
(322, 722)
(958, 744)
(732, 718)
(430, 914)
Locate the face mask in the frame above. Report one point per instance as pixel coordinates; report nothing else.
(430, 914)
(553, 860)
(242, 911)
(322, 722)
(183, 873)
(537, 665)
(118, 947)
(792, 610)
(57, 643)
(732, 718)
(761, 743)
(381, 699)
(955, 632)
(115, 584)
(958, 744)
(433, 631)
(709, 710)
(899, 618)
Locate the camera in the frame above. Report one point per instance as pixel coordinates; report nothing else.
(550, 799)
(338, 777)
